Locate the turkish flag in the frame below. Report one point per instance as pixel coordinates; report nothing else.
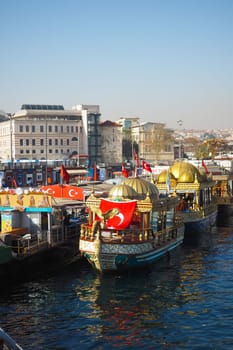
(124, 171)
(65, 191)
(14, 183)
(64, 174)
(135, 155)
(146, 166)
(123, 218)
(204, 166)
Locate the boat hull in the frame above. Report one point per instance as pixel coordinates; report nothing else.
(225, 215)
(112, 257)
(200, 223)
(39, 264)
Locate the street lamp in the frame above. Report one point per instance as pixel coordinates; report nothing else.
(76, 139)
(180, 123)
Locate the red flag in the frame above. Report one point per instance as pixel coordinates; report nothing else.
(135, 155)
(123, 218)
(64, 174)
(64, 191)
(204, 166)
(124, 171)
(146, 166)
(95, 172)
(14, 183)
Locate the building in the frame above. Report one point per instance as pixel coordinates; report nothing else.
(155, 142)
(91, 126)
(49, 135)
(111, 143)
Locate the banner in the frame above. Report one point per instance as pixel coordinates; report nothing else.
(64, 191)
(123, 218)
(64, 174)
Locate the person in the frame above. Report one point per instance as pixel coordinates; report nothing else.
(182, 205)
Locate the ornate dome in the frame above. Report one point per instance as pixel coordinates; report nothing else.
(143, 188)
(123, 191)
(187, 176)
(162, 177)
(186, 172)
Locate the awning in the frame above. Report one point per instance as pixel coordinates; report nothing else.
(77, 172)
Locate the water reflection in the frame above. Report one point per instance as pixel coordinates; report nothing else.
(177, 304)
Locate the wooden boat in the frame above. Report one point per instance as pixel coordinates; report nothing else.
(132, 228)
(194, 189)
(34, 237)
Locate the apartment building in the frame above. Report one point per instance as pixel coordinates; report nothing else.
(51, 132)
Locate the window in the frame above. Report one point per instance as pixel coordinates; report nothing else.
(61, 128)
(42, 142)
(21, 142)
(33, 128)
(56, 128)
(27, 142)
(21, 128)
(56, 142)
(67, 142)
(27, 128)
(50, 142)
(61, 142)
(67, 129)
(50, 128)
(33, 142)
(41, 128)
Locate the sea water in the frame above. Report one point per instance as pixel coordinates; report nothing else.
(182, 302)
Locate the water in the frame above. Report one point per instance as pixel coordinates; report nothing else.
(182, 303)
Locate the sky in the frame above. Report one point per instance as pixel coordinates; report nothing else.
(159, 60)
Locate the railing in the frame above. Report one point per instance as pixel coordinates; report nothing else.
(40, 241)
(130, 235)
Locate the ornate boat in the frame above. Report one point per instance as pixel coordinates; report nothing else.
(194, 189)
(33, 236)
(132, 228)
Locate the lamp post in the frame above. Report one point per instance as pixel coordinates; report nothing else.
(11, 141)
(76, 139)
(180, 123)
(46, 151)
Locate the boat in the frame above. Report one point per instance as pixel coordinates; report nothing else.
(37, 235)
(194, 189)
(223, 190)
(131, 228)
(7, 342)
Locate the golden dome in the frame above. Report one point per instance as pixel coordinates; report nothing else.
(187, 176)
(186, 172)
(123, 191)
(162, 177)
(143, 187)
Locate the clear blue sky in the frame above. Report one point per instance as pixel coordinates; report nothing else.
(161, 61)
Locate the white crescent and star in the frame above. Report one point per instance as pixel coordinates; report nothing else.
(72, 193)
(121, 217)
